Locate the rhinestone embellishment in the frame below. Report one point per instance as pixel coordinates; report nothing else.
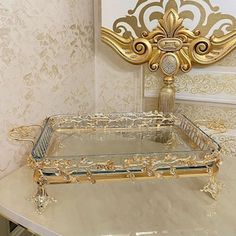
(169, 64)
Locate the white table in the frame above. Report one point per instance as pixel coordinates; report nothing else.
(161, 207)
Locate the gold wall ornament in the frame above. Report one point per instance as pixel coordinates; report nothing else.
(170, 47)
(207, 51)
(145, 13)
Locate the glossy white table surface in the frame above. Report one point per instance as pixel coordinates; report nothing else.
(162, 207)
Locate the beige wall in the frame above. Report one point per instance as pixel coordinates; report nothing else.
(118, 84)
(46, 66)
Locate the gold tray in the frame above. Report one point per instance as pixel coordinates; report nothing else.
(75, 149)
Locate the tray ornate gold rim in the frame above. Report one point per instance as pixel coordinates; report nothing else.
(62, 171)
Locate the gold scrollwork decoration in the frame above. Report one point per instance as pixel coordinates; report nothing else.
(170, 47)
(135, 51)
(171, 37)
(207, 51)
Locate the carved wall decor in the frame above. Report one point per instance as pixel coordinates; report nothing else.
(209, 19)
(170, 47)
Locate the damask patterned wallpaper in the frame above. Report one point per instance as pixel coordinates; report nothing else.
(46, 66)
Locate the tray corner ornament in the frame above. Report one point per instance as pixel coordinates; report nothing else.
(170, 47)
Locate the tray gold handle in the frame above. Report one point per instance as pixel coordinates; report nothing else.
(24, 133)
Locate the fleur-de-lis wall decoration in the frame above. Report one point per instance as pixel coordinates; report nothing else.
(170, 47)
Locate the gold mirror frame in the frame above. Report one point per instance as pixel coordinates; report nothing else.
(170, 47)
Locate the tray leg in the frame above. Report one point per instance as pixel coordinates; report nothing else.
(41, 199)
(213, 187)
